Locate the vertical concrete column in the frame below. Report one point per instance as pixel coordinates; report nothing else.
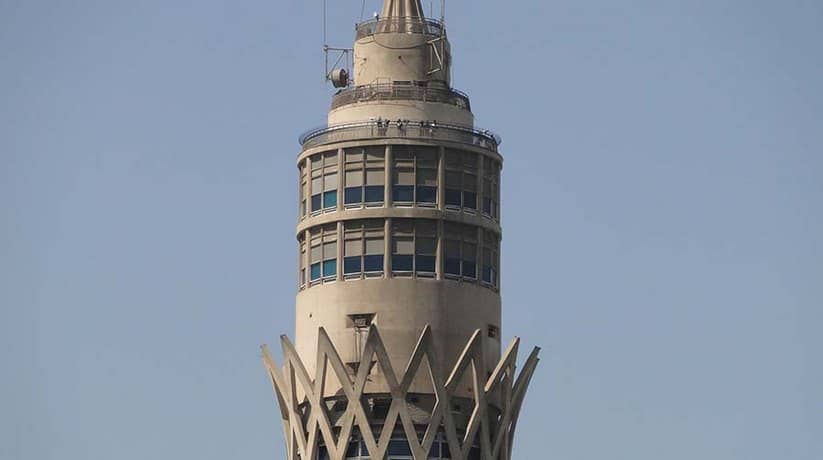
(441, 236)
(309, 190)
(480, 180)
(389, 176)
(441, 178)
(340, 243)
(307, 257)
(341, 178)
(387, 248)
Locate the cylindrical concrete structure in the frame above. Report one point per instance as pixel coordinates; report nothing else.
(399, 232)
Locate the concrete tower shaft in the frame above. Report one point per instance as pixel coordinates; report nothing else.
(402, 9)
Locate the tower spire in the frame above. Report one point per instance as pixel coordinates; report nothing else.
(402, 9)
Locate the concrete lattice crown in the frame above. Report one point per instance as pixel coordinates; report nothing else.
(306, 418)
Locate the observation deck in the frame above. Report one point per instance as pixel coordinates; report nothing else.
(425, 130)
(429, 27)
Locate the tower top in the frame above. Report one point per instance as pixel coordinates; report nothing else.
(402, 9)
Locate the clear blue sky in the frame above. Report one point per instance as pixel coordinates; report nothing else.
(663, 206)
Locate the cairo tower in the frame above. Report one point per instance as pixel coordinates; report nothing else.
(397, 351)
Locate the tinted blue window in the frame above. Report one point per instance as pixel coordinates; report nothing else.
(452, 266)
(315, 202)
(351, 265)
(354, 195)
(373, 263)
(330, 267)
(426, 194)
(375, 193)
(402, 263)
(487, 205)
(426, 264)
(330, 200)
(323, 453)
(351, 451)
(446, 452)
(469, 269)
(364, 451)
(453, 197)
(315, 272)
(399, 448)
(487, 274)
(403, 193)
(470, 200)
(434, 452)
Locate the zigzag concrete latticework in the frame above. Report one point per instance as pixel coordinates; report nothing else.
(314, 429)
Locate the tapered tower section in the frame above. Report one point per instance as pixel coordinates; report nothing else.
(397, 352)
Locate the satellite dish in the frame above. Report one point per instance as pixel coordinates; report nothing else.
(340, 78)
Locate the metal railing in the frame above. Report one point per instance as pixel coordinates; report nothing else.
(394, 92)
(400, 129)
(400, 25)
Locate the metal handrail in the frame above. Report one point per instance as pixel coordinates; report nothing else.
(400, 129)
(400, 25)
(394, 92)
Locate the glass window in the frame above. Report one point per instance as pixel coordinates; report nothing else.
(323, 253)
(491, 188)
(324, 181)
(414, 247)
(460, 251)
(491, 258)
(426, 163)
(399, 447)
(461, 180)
(365, 176)
(363, 249)
(414, 175)
(304, 190)
(302, 263)
(402, 247)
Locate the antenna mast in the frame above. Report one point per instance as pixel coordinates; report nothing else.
(339, 76)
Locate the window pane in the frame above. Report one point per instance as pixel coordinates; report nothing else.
(426, 264)
(404, 177)
(330, 182)
(316, 202)
(374, 246)
(427, 246)
(426, 194)
(354, 195)
(452, 256)
(354, 155)
(351, 265)
(375, 177)
(354, 247)
(398, 447)
(402, 263)
(330, 200)
(453, 197)
(375, 194)
(373, 263)
(316, 253)
(470, 200)
(354, 178)
(330, 268)
(315, 272)
(403, 193)
(402, 245)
